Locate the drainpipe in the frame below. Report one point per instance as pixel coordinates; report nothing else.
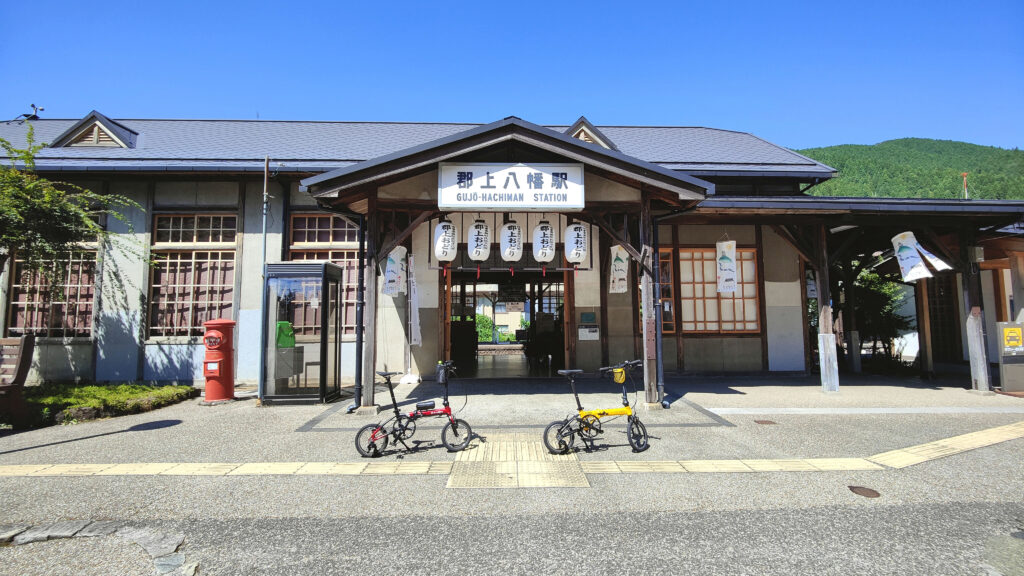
(656, 268)
(360, 304)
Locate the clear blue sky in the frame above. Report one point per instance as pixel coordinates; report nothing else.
(798, 74)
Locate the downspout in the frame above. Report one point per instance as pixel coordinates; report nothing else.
(658, 306)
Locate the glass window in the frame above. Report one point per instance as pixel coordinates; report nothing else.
(34, 310)
(336, 241)
(702, 308)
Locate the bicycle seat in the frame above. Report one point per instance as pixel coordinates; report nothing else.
(570, 372)
(425, 405)
(387, 374)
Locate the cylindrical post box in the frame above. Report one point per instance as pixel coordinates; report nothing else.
(219, 362)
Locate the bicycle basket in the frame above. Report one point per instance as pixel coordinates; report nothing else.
(619, 375)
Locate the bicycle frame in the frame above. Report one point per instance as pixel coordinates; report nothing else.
(625, 410)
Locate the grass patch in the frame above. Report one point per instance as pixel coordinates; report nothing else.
(60, 402)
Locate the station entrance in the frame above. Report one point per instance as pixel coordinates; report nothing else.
(503, 325)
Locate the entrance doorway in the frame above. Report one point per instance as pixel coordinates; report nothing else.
(507, 326)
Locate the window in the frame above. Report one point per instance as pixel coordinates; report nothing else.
(500, 308)
(668, 317)
(703, 309)
(33, 310)
(193, 280)
(327, 238)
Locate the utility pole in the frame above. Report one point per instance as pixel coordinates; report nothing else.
(964, 174)
(261, 381)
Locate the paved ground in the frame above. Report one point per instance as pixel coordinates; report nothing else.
(743, 476)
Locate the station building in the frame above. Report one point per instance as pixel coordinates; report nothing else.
(631, 219)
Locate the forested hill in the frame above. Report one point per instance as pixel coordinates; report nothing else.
(921, 168)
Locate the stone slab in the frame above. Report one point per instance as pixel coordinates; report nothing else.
(65, 529)
(100, 528)
(156, 544)
(10, 531)
(165, 564)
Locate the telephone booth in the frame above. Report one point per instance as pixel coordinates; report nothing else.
(303, 331)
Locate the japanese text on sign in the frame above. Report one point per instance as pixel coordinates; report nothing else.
(487, 187)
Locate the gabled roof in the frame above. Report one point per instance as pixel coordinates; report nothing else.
(587, 132)
(123, 136)
(418, 158)
(312, 147)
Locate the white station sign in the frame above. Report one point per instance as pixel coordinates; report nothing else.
(507, 187)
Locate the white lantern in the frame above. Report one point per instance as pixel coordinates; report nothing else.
(511, 242)
(479, 241)
(544, 242)
(446, 242)
(575, 243)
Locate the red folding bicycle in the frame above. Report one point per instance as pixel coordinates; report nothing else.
(372, 439)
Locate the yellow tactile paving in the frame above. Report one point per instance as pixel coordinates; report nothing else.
(199, 469)
(331, 468)
(136, 469)
(948, 446)
(266, 468)
(518, 460)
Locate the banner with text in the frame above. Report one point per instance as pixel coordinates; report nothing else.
(508, 187)
(726, 265)
(618, 273)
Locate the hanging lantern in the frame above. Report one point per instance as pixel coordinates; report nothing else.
(575, 243)
(479, 241)
(544, 242)
(511, 242)
(446, 243)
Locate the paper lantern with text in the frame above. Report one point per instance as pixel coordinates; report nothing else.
(446, 241)
(544, 242)
(511, 242)
(479, 241)
(576, 243)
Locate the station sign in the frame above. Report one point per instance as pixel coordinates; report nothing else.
(510, 187)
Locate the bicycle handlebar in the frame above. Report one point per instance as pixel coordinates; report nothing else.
(631, 364)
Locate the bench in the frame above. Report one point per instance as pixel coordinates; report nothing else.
(15, 360)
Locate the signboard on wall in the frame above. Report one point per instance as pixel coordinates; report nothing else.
(510, 187)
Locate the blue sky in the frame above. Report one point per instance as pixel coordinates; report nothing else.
(797, 74)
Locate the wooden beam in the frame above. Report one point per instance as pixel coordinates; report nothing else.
(636, 256)
(937, 245)
(924, 329)
(844, 246)
(802, 250)
(401, 236)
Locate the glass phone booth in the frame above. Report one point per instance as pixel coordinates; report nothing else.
(302, 332)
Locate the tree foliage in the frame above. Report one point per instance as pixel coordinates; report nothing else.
(42, 221)
(921, 168)
(484, 328)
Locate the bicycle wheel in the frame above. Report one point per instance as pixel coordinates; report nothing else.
(405, 427)
(559, 437)
(637, 434)
(456, 437)
(371, 440)
(590, 426)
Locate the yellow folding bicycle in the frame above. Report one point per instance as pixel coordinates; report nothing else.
(560, 435)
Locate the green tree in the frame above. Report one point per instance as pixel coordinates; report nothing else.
(484, 328)
(42, 221)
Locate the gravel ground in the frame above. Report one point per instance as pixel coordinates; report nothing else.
(99, 556)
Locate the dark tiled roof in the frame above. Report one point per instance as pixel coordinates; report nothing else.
(319, 146)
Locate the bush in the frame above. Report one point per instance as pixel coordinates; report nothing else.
(57, 402)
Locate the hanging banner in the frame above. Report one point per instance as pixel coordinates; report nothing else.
(479, 241)
(508, 187)
(395, 272)
(415, 338)
(511, 242)
(618, 273)
(446, 243)
(544, 242)
(908, 254)
(726, 265)
(575, 243)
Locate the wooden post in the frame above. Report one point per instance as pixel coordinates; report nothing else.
(850, 308)
(370, 314)
(603, 261)
(826, 338)
(1017, 286)
(924, 330)
(647, 320)
(975, 321)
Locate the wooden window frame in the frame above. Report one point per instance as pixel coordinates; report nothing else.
(344, 253)
(742, 281)
(55, 316)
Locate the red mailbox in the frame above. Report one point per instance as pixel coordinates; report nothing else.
(219, 363)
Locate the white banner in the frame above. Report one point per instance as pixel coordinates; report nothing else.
(726, 265)
(508, 187)
(618, 273)
(908, 254)
(395, 272)
(415, 338)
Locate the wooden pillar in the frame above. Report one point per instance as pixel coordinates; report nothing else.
(924, 330)
(975, 321)
(648, 320)
(603, 274)
(1016, 286)
(850, 309)
(826, 337)
(370, 310)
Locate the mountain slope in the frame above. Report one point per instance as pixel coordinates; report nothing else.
(921, 168)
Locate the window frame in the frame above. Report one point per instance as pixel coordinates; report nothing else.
(350, 264)
(91, 285)
(742, 281)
